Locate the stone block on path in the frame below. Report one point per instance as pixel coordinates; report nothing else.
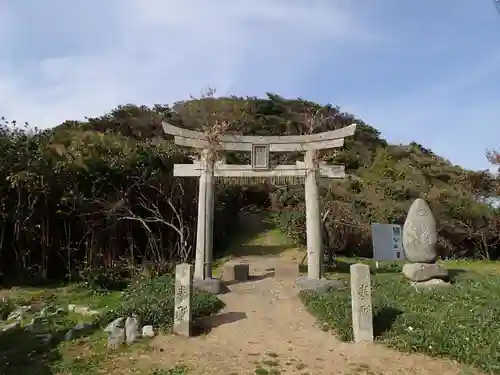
(235, 272)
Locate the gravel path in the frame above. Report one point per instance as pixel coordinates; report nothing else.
(265, 329)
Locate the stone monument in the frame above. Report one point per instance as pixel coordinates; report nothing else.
(183, 293)
(419, 243)
(361, 300)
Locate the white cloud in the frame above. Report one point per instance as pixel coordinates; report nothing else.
(67, 60)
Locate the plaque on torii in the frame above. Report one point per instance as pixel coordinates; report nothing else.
(260, 148)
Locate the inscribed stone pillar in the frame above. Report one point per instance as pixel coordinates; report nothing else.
(313, 220)
(183, 293)
(362, 316)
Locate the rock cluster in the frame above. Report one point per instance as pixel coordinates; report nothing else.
(419, 242)
(121, 330)
(42, 317)
(127, 331)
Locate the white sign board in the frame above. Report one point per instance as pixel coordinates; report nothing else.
(387, 242)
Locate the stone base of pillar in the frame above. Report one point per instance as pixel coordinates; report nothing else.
(320, 286)
(214, 286)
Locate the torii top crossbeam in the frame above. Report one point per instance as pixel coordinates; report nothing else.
(284, 143)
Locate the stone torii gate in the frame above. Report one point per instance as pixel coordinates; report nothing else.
(260, 146)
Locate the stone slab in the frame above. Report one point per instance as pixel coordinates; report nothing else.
(320, 286)
(214, 286)
(422, 272)
(431, 285)
(235, 272)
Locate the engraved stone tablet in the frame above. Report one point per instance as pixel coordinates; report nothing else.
(420, 234)
(362, 316)
(183, 292)
(260, 156)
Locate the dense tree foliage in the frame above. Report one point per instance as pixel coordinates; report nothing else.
(85, 195)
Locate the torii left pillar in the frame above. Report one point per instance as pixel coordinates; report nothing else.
(313, 219)
(204, 229)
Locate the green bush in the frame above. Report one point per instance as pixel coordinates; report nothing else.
(111, 278)
(461, 323)
(153, 300)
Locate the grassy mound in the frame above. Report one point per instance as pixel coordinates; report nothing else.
(462, 323)
(153, 300)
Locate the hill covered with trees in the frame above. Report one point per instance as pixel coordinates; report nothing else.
(85, 196)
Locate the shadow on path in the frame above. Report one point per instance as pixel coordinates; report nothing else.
(252, 278)
(203, 326)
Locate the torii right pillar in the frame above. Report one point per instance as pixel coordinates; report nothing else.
(313, 217)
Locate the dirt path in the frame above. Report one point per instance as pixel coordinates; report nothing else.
(264, 325)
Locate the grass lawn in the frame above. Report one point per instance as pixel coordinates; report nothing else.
(24, 352)
(462, 323)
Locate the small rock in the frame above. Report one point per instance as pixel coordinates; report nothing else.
(132, 332)
(424, 272)
(37, 325)
(78, 330)
(60, 312)
(37, 307)
(116, 337)
(11, 326)
(47, 338)
(83, 326)
(431, 284)
(118, 322)
(48, 311)
(82, 310)
(148, 331)
(19, 313)
(69, 335)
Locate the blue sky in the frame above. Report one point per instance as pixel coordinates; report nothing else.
(425, 71)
